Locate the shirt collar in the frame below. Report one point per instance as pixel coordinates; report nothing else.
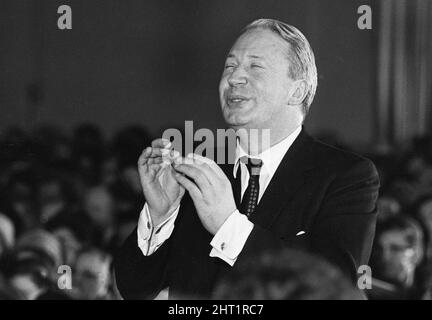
(271, 157)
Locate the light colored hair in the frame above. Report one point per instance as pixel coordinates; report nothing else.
(301, 57)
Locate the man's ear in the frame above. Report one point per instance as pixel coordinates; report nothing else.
(299, 93)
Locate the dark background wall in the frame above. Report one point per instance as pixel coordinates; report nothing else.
(158, 63)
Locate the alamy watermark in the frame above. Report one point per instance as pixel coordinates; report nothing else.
(64, 282)
(364, 22)
(64, 22)
(204, 142)
(365, 279)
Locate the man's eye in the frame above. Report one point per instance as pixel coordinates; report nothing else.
(229, 66)
(256, 66)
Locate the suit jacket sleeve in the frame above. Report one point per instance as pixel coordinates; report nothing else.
(138, 276)
(344, 227)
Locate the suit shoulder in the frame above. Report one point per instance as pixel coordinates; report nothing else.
(341, 159)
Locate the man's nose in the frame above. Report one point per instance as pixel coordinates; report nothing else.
(237, 78)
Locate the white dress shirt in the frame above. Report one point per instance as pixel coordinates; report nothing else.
(230, 239)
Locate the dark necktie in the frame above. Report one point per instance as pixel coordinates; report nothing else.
(250, 197)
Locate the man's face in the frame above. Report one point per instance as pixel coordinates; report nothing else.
(255, 85)
(93, 275)
(99, 205)
(398, 257)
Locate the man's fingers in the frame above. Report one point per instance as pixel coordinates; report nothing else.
(196, 174)
(154, 161)
(161, 143)
(143, 158)
(202, 166)
(193, 190)
(210, 163)
(158, 152)
(148, 154)
(155, 167)
(157, 155)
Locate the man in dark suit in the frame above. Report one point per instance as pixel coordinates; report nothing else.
(200, 218)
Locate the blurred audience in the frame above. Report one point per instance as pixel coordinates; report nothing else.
(401, 258)
(66, 200)
(71, 199)
(31, 266)
(286, 275)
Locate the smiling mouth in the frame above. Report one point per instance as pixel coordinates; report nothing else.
(234, 100)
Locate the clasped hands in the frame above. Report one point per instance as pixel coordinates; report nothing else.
(165, 176)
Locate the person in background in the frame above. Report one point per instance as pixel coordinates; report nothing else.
(19, 202)
(71, 245)
(397, 254)
(388, 206)
(92, 275)
(99, 207)
(31, 268)
(59, 208)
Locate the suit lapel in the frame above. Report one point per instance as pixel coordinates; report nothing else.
(289, 178)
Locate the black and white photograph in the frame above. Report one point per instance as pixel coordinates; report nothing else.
(205, 150)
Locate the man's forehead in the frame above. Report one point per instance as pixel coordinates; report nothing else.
(257, 44)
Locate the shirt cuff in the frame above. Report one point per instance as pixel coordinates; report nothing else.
(150, 238)
(230, 239)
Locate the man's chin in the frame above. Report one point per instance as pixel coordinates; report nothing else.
(235, 120)
(235, 123)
